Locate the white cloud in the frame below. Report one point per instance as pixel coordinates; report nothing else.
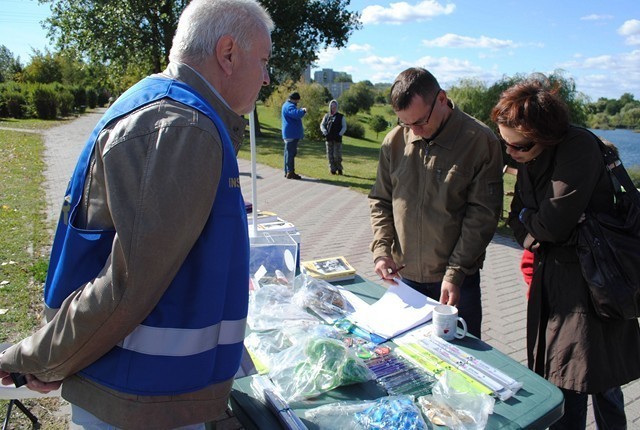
(450, 40)
(403, 12)
(450, 70)
(607, 73)
(384, 69)
(326, 56)
(354, 47)
(631, 31)
(447, 70)
(595, 17)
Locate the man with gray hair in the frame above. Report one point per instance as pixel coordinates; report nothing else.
(147, 289)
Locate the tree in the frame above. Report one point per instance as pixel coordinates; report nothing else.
(378, 124)
(303, 27)
(359, 97)
(116, 32)
(43, 68)
(132, 32)
(9, 66)
(471, 96)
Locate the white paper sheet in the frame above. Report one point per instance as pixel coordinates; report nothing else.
(400, 308)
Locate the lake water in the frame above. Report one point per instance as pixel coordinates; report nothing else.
(628, 143)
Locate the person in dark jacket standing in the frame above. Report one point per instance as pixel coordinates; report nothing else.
(292, 132)
(561, 175)
(333, 127)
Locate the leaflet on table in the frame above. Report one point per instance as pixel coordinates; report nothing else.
(423, 347)
(401, 308)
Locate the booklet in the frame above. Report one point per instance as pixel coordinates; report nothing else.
(401, 308)
(332, 269)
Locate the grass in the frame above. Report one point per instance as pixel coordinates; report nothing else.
(360, 156)
(24, 238)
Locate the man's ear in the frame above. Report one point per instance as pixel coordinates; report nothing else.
(225, 53)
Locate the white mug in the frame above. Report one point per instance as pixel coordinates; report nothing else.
(445, 323)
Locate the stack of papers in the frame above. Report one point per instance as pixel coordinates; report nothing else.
(400, 309)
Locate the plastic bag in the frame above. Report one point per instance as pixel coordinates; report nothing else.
(321, 297)
(316, 365)
(456, 404)
(266, 344)
(385, 413)
(271, 307)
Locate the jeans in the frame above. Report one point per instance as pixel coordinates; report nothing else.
(608, 410)
(81, 419)
(470, 304)
(290, 151)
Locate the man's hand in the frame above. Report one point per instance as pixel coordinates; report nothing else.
(449, 293)
(387, 269)
(5, 378)
(33, 383)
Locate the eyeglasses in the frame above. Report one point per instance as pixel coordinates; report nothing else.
(520, 148)
(422, 122)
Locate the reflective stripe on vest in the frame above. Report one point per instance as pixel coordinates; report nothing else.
(176, 342)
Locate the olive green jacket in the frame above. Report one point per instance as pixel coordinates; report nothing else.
(435, 205)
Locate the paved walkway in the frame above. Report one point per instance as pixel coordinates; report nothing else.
(333, 220)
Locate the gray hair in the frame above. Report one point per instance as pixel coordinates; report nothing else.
(204, 22)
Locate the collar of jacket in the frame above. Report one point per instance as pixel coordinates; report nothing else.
(236, 124)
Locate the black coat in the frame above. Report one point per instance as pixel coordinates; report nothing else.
(567, 342)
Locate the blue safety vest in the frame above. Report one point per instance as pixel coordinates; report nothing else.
(194, 336)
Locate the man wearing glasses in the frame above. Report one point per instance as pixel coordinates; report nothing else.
(437, 196)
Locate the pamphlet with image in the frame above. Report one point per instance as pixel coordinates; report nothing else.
(330, 269)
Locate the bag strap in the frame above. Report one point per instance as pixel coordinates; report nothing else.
(615, 167)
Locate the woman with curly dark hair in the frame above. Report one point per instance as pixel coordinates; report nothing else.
(561, 175)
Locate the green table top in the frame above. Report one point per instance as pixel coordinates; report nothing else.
(537, 405)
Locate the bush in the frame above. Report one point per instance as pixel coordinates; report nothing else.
(44, 101)
(79, 99)
(65, 102)
(13, 104)
(103, 98)
(354, 129)
(92, 98)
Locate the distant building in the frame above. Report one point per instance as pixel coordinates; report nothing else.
(306, 75)
(327, 78)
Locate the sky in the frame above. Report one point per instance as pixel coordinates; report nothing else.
(594, 42)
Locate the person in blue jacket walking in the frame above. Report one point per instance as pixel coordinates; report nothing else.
(292, 132)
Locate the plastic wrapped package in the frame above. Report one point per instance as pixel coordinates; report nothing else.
(456, 404)
(321, 297)
(265, 344)
(385, 413)
(316, 365)
(271, 307)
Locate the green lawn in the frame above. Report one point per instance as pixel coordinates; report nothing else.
(24, 241)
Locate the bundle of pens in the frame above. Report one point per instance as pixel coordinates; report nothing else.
(399, 376)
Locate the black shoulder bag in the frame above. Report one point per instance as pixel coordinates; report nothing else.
(609, 247)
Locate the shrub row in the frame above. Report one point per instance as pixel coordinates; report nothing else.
(47, 101)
